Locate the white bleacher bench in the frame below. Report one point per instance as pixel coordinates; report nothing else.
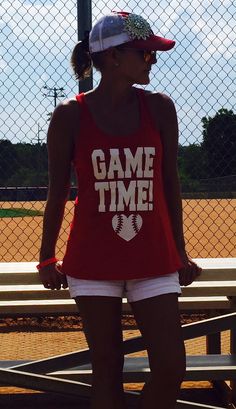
(22, 294)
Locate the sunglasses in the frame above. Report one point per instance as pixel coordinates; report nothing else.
(147, 55)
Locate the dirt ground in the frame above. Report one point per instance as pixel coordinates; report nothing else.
(210, 230)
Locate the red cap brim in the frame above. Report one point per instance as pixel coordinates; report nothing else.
(153, 43)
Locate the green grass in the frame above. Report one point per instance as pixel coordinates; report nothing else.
(19, 213)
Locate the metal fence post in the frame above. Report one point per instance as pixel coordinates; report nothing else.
(84, 21)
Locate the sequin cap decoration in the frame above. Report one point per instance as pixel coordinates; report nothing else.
(137, 27)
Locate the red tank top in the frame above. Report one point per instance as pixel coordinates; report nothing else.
(121, 228)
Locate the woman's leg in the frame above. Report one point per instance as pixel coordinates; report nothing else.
(101, 318)
(159, 322)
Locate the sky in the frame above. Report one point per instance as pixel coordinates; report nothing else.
(37, 37)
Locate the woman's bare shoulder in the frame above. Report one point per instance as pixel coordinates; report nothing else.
(66, 115)
(67, 107)
(161, 108)
(160, 101)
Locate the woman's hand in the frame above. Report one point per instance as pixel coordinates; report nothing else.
(52, 277)
(190, 271)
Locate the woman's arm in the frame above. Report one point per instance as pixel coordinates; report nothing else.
(60, 142)
(169, 136)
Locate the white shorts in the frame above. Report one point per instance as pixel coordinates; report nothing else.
(133, 290)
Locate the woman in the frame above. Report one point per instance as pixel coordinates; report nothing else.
(127, 237)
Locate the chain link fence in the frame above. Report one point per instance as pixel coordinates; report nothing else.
(37, 38)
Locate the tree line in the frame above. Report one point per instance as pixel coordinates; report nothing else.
(25, 164)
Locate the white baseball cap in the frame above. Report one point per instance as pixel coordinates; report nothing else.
(121, 27)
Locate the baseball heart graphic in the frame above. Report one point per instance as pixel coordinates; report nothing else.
(127, 227)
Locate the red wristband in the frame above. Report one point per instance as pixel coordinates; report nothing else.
(46, 262)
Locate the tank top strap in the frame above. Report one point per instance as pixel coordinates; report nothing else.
(85, 118)
(146, 116)
(80, 100)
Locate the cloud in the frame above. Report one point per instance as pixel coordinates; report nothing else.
(37, 38)
(3, 63)
(49, 25)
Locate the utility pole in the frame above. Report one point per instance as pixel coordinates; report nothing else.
(38, 154)
(54, 93)
(38, 139)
